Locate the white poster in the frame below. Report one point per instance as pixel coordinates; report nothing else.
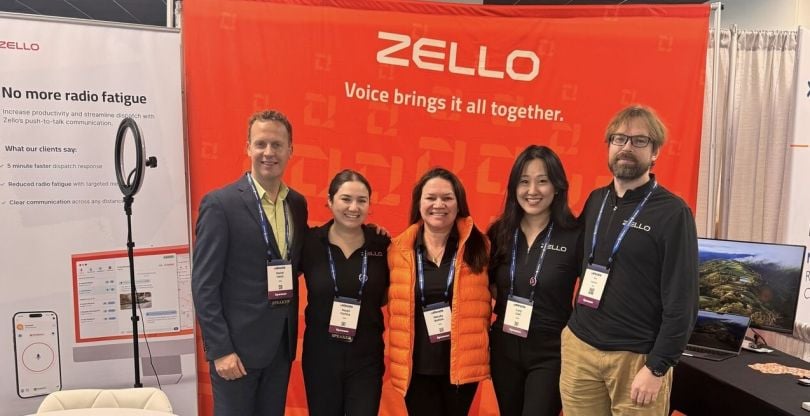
(65, 85)
(797, 224)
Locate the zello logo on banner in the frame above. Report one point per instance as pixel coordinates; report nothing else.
(20, 46)
(433, 49)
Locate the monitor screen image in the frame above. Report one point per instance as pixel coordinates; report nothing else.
(719, 330)
(759, 280)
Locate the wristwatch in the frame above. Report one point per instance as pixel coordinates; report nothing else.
(658, 372)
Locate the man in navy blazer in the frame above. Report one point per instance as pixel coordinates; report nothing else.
(249, 237)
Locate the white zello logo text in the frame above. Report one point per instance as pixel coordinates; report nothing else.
(429, 54)
(637, 226)
(556, 247)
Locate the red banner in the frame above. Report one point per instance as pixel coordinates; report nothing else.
(392, 88)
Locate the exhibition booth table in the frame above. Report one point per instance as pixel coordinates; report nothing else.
(750, 384)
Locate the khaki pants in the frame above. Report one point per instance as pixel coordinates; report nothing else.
(596, 383)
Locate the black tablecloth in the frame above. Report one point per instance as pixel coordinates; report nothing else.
(730, 387)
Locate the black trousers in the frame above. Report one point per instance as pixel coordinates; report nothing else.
(526, 372)
(339, 384)
(263, 391)
(434, 395)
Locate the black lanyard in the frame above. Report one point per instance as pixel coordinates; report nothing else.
(536, 275)
(421, 272)
(363, 270)
(264, 223)
(626, 227)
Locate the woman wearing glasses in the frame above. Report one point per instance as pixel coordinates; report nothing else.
(534, 265)
(346, 274)
(439, 301)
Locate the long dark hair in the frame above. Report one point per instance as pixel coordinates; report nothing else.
(475, 250)
(501, 231)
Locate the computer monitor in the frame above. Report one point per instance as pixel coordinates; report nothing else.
(103, 302)
(760, 280)
(720, 332)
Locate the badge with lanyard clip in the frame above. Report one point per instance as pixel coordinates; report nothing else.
(596, 275)
(438, 316)
(280, 289)
(280, 281)
(346, 310)
(280, 285)
(518, 315)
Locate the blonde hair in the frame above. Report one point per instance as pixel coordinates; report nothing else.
(658, 132)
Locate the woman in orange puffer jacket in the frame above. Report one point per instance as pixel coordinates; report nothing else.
(439, 301)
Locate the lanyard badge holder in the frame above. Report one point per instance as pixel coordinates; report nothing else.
(346, 310)
(438, 316)
(596, 275)
(518, 315)
(280, 288)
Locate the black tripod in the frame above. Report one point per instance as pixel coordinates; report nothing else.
(133, 293)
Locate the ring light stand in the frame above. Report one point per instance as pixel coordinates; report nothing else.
(130, 184)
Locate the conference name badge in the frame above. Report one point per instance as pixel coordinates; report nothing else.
(279, 281)
(437, 320)
(343, 322)
(593, 285)
(518, 316)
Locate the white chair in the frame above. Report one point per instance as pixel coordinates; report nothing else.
(146, 398)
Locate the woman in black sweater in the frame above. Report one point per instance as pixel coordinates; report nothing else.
(346, 272)
(533, 269)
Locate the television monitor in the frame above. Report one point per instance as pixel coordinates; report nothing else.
(760, 280)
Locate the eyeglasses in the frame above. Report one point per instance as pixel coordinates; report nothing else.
(637, 141)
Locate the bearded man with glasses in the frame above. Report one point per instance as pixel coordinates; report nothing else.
(638, 299)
